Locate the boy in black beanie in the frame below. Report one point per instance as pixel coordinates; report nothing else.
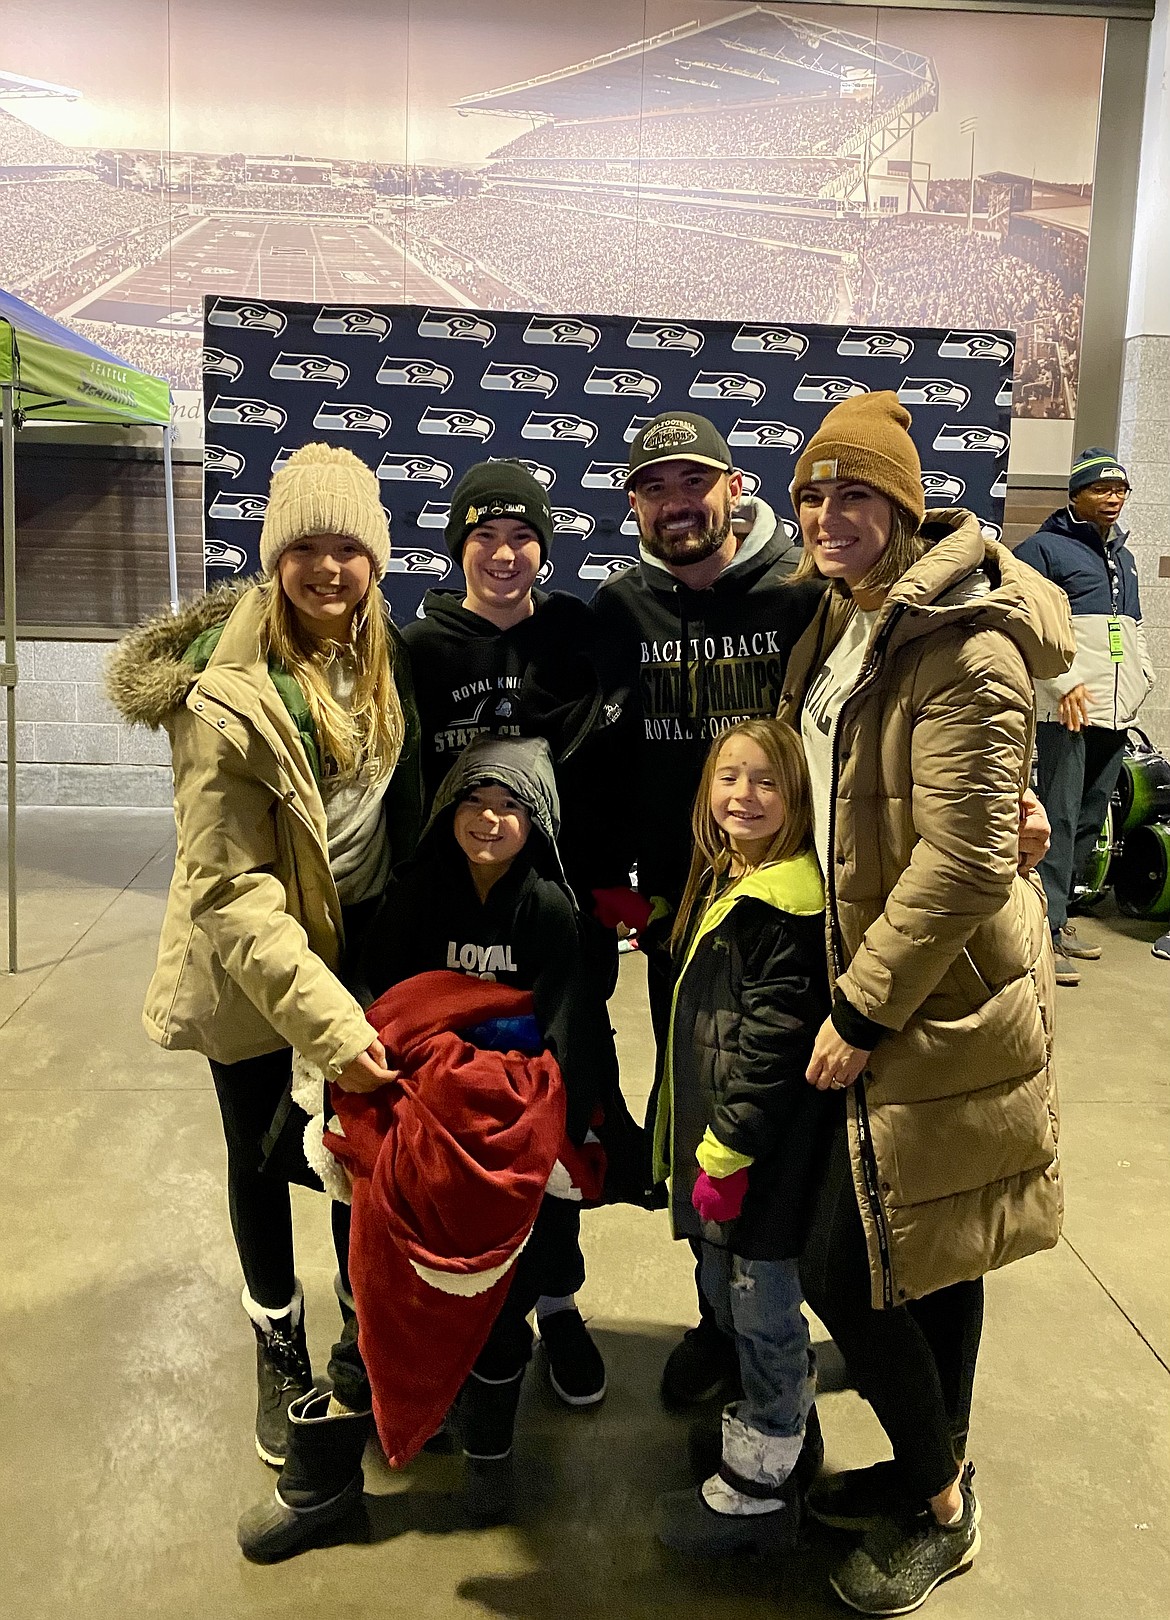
(503, 657)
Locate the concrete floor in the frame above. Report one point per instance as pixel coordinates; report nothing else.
(127, 1362)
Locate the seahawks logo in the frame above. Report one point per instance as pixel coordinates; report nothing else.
(567, 520)
(315, 368)
(397, 373)
(518, 379)
(942, 487)
(239, 508)
(545, 476)
(605, 475)
(353, 419)
(248, 314)
(828, 389)
(727, 385)
(751, 482)
(617, 380)
(766, 435)
(989, 530)
(976, 346)
(246, 412)
(216, 363)
(282, 458)
(998, 490)
(934, 391)
(457, 323)
(418, 560)
(352, 322)
(556, 329)
(414, 470)
(790, 530)
(574, 428)
(1004, 398)
(544, 572)
(630, 526)
(228, 462)
(664, 335)
(220, 554)
(434, 515)
(604, 565)
(456, 424)
(754, 337)
(972, 440)
(637, 423)
(876, 345)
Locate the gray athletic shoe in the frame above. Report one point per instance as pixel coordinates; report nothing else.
(899, 1564)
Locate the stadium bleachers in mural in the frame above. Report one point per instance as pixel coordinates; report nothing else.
(725, 171)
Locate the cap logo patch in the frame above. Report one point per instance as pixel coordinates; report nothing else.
(670, 435)
(472, 515)
(822, 471)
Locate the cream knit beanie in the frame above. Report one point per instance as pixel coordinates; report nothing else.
(323, 489)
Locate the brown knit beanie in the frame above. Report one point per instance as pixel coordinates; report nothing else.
(323, 489)
(865, 438)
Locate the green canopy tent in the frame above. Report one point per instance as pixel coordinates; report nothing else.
(50, 374)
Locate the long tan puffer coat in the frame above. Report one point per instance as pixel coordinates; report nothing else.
(931, 932)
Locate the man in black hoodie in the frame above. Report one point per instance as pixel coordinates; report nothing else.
(710, 618)
(503, 658)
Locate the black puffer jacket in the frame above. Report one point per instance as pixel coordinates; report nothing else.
(752, 993)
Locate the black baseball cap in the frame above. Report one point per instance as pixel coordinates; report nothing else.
(679, 436)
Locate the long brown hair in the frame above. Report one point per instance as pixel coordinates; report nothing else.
(368, 735)
(713, 852)
(905, 547)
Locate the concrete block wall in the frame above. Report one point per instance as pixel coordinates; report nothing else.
(1144, 447)
(71, 747)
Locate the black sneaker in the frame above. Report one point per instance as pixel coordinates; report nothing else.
(859, 1498)
(575, 1368)
(282, 1375)
(900, 1563)
(702, 1365)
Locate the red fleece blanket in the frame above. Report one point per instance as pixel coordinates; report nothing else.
(449, 1165)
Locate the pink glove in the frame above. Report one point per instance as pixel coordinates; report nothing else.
(722, 1199)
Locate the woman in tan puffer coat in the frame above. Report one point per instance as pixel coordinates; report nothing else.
(294, 745)
(913, 693)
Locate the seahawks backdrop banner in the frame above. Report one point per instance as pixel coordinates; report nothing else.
(423, 393)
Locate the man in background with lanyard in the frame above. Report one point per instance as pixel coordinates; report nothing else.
(1083, 716)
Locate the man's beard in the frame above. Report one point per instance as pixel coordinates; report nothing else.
(696, 545)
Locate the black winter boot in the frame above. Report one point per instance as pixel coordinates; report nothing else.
(282, 1371)
(320, 1484)
(487, 1417)
(751, 1505)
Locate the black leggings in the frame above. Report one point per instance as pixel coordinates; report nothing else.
(914, 1363)
(258, 1200)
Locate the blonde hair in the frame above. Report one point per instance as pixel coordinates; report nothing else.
(905, 547)
(368, 735)
(713, 851)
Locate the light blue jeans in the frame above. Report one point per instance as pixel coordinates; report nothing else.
(758, 1301)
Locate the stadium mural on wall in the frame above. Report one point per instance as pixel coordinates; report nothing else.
(741, 163)
(961, 418)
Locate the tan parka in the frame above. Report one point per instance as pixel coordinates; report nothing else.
(252, 933)
(931, 932)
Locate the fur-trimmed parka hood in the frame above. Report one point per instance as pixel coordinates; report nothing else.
(151, 670)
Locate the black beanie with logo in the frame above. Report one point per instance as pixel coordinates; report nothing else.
(498, 489)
